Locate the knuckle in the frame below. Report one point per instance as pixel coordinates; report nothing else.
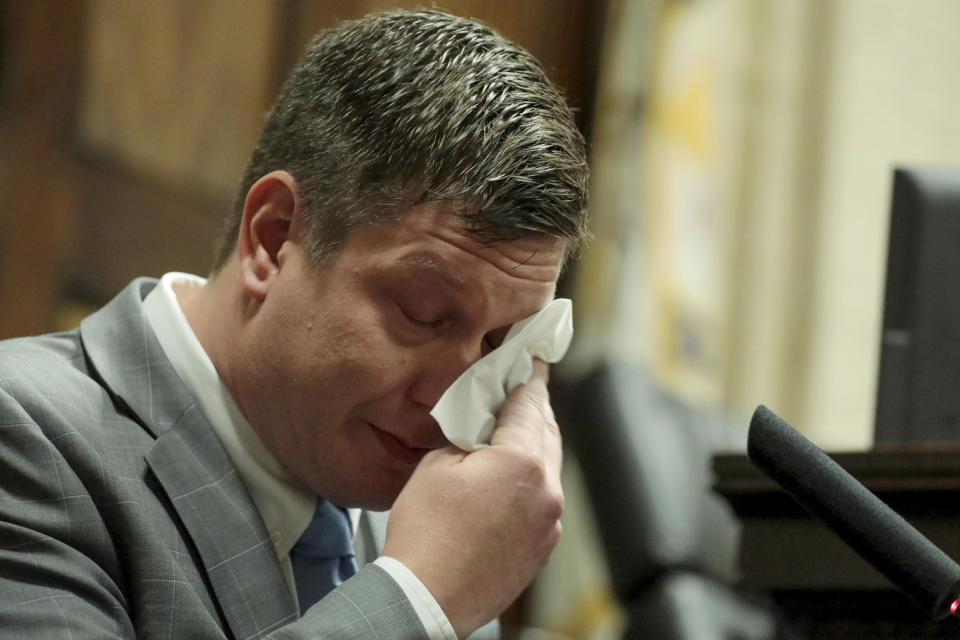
(554, 504)
(529, 464)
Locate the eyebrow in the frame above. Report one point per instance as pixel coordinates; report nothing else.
(434, 266)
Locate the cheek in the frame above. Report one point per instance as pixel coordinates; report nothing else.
(358, 355)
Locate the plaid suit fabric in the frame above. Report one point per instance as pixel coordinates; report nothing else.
(121, 516)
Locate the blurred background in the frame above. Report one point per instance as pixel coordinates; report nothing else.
(742, 154)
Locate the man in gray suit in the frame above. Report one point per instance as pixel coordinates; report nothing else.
(415, 191)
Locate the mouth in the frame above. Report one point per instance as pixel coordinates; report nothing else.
(396, 448)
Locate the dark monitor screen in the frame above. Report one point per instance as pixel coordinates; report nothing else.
(918, 392)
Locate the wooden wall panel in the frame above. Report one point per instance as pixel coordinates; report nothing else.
(175, 90)
(130, 226)
(36, 179)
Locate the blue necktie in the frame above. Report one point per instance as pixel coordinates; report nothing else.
(323, 556)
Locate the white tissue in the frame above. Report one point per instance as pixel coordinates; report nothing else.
(467, 410)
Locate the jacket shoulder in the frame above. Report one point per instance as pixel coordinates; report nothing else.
(47, 382)
(42, 366)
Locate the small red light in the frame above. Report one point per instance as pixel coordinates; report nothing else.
(954, 607)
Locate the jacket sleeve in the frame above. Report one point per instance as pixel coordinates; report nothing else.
(56, 578)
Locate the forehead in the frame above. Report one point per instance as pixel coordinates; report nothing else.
(430, 239)
(435, 227)
(523, 260)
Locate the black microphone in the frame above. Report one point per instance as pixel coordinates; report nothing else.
(875, 531)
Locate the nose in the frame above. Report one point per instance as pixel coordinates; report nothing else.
(439, 368)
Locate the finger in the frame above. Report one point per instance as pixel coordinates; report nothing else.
(541, 370)
(526, 419)
(526, 406)
(553, 441)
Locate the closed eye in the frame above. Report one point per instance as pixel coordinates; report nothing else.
(420, 321)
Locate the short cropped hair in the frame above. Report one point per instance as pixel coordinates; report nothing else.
(412, 106)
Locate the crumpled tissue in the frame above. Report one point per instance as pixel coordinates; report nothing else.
(467, 410)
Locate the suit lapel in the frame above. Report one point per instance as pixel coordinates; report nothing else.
(213, 504)
(191, 465)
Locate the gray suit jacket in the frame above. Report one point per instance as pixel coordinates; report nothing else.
(121, 516)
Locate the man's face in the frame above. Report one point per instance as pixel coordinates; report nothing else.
(351, 355)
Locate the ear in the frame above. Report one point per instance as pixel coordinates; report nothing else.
(270, 217)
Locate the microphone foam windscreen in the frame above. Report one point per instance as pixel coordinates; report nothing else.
(876, 532)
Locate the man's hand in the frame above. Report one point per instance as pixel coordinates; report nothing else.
(476, 528)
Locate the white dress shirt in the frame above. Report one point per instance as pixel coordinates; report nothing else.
(285, 504)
